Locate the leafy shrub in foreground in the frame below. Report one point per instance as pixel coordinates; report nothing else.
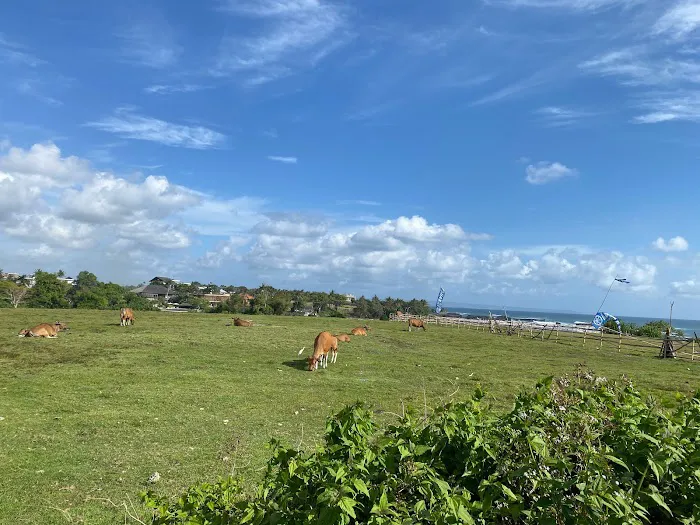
(574, 450)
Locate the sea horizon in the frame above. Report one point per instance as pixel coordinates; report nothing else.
(569, 317)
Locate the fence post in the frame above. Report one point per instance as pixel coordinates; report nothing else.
(619, 342)
(692, 355)
(585, 331)
(601, 339)
(556, 340)
(531, 332)
(542, 332)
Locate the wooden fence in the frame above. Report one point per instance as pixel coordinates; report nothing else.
(685, 348)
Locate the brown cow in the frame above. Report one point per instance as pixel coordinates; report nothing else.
(345, 338)
(325, 342)
(240, 322)
(126, 316)
(416, 323)
(358, 331)
(44, 330)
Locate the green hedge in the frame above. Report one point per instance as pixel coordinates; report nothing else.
(578, 450)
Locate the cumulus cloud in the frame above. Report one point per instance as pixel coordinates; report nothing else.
(546, 172)
(109, 199)
(689, 288)
(555, 266)
(675, 244)
(53, 201)
(227, 250)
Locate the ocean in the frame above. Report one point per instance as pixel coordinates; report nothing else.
(687, 325)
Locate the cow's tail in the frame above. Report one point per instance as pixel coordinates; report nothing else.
(301, 351)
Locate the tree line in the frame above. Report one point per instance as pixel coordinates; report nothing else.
(49, 291)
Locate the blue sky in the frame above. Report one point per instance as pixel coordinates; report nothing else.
(517, 152)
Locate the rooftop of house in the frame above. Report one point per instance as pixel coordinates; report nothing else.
(151, 289)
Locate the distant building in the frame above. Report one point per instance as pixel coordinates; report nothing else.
(349, 297)
(162, 281)
(152, 291)
(216, 298)
(67, 280)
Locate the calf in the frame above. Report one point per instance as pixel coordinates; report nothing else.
(44, 330)
(324, 344)
(240, 322)
(126, 316)
(416, 323)
(358, 331)
(345, 338)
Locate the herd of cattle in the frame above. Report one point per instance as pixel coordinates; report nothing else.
(324, 344)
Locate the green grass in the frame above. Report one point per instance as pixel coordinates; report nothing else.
(90, 415)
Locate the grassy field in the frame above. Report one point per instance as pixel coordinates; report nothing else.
(89, 416)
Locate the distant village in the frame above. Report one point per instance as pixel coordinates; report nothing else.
(167, 291)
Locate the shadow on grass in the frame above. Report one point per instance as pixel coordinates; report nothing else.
(299, 364)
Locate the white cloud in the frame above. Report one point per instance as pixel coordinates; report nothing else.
(283, 160)
(358, 203)
(42, 164)
(556, 116)
(689, 288)
(291, 34)
(40, 252)
(546, 172)
(50, 229)
(508, 264)
(221, 217)
(129, 125)
(675, 244)
(572, 5)
(601, 268)
(160, 89)
(290, 229)
(680, 20)
(14, 53)
(107, 199)
(227, 250)
(150, 233)
(669, 106)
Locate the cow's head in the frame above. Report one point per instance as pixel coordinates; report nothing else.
(23, 333)
(60, 326)
(312, 363)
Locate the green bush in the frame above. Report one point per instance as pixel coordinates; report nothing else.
(577, 450)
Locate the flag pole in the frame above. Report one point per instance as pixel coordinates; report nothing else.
(606, 295)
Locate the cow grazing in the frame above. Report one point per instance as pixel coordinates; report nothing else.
(44, 330)
(416, 323)
(345, 338)
(241, 322)
(126, 316)
(324, 344)
(358, 331)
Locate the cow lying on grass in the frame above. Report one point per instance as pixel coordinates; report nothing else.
(416, 323)
(358, 331)
(44, 330)
(324, 344)
(345, 338)
(241, 322)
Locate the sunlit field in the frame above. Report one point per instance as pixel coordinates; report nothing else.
(89, 416)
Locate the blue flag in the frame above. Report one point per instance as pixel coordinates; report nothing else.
(438, 303)
(602, 317)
